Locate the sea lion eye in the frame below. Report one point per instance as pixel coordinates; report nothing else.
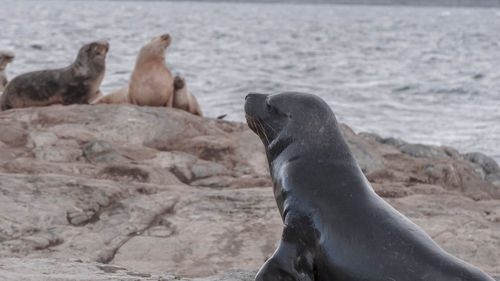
(270, 108)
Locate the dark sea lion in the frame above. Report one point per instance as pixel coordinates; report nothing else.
(335, 227)
(183, 99)
(77, 83)
(5, 59)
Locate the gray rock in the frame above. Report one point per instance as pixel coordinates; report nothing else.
(396, 142)
(494, 179)
(211, 182)
(38, 139)
(489, 164)
(420, 150)
(100, 151)
(372, 136)
(204, 169)
(63, 151)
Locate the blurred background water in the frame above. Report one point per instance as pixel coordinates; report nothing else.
(428, 75)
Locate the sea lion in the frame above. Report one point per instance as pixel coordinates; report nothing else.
(77, 83)
(336, 228)
(151, 82)
(5, 58)
(97, 97)
(183, 99)
(118, 97)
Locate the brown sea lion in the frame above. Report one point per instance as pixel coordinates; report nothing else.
(5, 58)
(151, 82)
(77, 83)
(183, 99)
(117, 97)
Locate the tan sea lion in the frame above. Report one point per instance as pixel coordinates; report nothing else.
(97, 97)
(117, 97)
(183, 99)
(5, 58)
(77, 83)
(151, 82)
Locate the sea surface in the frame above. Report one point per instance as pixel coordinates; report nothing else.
(427, 75)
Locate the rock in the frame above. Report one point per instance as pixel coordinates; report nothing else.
(212, 182)
(14, 269)
(64, 151)
(371, 136)
(489, 165)
(101, 152)
(420, 150)
(396, 142)
(214, 231)
(13, 135)
(494, 179)
(39, 139)
(204, 169)
(121, 192)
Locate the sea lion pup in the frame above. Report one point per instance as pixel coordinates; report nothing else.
(118, 97)
(183, 99)
(5, 58)
(77, 83)
(335, 227)
(151, 82)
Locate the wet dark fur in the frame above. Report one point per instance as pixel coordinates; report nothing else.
(335, 227)
(72, 83)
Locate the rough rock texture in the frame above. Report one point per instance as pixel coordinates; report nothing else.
(76, 270)
(120, 192)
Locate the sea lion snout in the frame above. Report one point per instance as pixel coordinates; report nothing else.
(166, 38)
(103, 47)
(106, 47)
(97, 49)
(254, 103)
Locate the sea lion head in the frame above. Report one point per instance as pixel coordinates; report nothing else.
(163, 41)
(93, 54)
(158, 45)
(179, 82)
(5, 58)
(282, 119)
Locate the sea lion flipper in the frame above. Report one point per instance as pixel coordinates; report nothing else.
(287, 265)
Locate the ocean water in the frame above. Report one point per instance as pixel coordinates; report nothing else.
(427, 75)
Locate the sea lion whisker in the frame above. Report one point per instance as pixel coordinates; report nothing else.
(270, 127)
(263, 130)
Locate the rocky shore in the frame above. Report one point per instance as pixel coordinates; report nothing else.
(121, 192)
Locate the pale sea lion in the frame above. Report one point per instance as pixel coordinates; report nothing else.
(77, 83)
(151, 82)
(5, 58)
(336, 228)
(117, 97)
(97, 97)
(183, 99)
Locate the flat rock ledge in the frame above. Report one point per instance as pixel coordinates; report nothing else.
(121, 192)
